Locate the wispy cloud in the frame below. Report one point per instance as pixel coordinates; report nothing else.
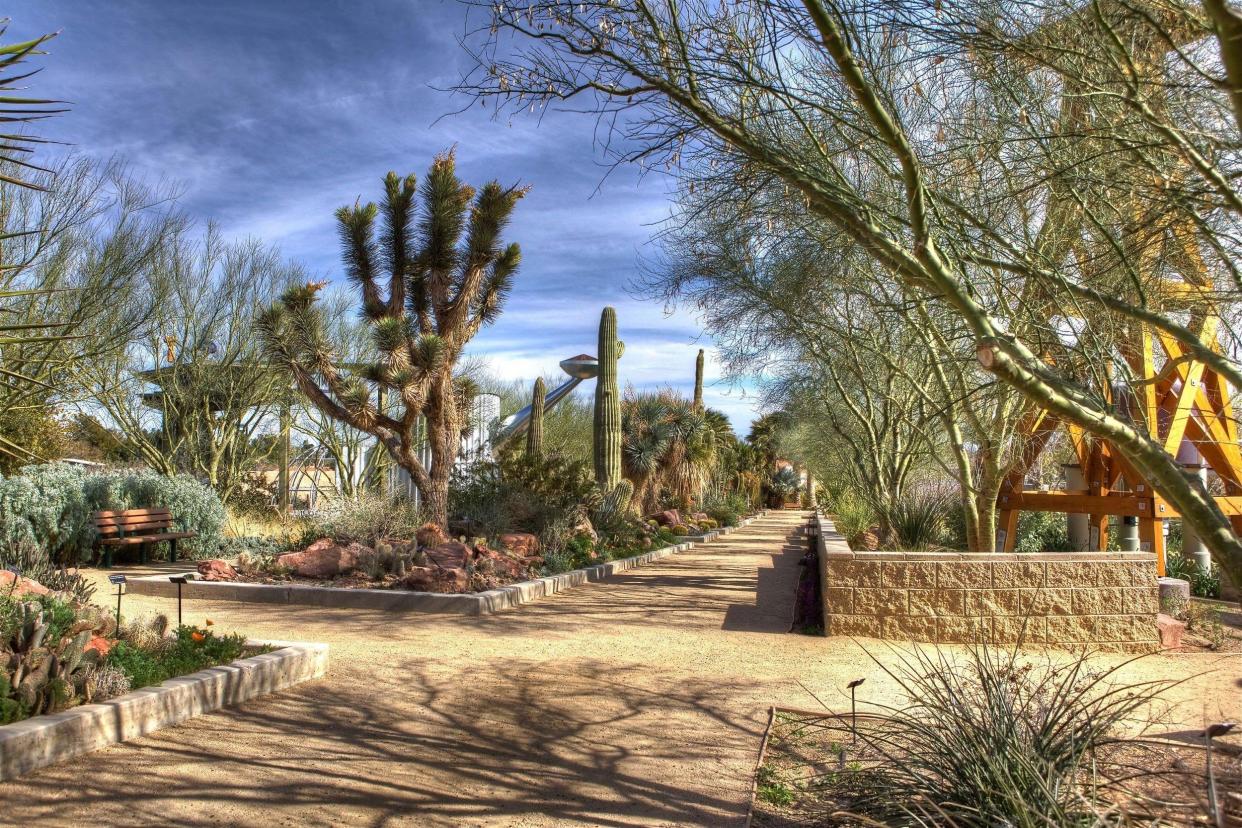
(271, 116)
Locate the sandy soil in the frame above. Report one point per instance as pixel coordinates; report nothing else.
(640, 700)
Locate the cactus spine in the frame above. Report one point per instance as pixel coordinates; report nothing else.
(608, 405)
(534, 431)
(698, 382)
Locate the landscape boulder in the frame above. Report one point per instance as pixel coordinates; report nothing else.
(216, 570)
(13, 584)
(670, 518)
(522, 544)
(323, 559)
(449, 555)
(436, 579)
(1170, 631)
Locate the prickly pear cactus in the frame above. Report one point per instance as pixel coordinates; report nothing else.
(534, 431)
(698, 381)
(608, 405)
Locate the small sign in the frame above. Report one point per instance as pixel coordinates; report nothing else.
(177, 579)
(116, 579)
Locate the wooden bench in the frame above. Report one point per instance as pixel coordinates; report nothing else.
(137, 526)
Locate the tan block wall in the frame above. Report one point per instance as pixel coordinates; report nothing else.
(1098, 599)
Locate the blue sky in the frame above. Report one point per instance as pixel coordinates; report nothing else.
(272, 114)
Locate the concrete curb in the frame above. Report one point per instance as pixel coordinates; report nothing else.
(45, 740)
(475, 603)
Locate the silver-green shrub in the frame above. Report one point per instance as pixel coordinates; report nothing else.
(51, 506)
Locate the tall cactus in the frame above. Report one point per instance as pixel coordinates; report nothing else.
(534, 431)
(698, 382)
(608, 405)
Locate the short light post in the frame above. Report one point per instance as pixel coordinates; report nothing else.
(1211, 732)
(812, 535)
(119, 582)
(179, 580)
(853, 685)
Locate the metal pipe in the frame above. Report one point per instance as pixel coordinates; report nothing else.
(579, 368)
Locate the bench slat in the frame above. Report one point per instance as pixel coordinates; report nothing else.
(124, 513)
(108, 529)
(129, 540)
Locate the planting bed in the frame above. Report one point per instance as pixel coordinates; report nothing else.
(44, 740)
(812, 772)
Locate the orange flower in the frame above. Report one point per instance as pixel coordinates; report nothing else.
(197, 636)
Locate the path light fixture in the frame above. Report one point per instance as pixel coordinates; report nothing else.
(180, 581)
(853, 686)
(1211, 732)
(119, 582)
(812, 534)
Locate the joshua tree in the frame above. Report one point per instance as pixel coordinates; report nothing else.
(534, 432)
(447, 275)
(608, 405)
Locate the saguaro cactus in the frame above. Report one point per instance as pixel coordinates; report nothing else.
(698, 382)
(534, 432)
(608, 405)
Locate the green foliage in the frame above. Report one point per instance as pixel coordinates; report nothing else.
(51, 507)
(188, 651)
(368, 518)
(668, 449)
(726, 508)
(520, 493)
(771, 788)
(45, 665)
(852, 515)
(1042, 532)
(1202, 584)
(784, 483)
(36, 428)
(607, 439)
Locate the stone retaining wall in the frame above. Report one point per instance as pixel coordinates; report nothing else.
(1100, 599)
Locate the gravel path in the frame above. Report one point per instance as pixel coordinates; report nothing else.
(640, 700)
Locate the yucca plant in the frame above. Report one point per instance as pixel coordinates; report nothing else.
(996, 738)
(919, 518)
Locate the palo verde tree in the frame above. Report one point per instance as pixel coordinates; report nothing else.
(1013, 163)
(428, 281)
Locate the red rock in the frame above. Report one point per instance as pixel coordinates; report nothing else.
(1170, 631)
(699, 516)
(449, 555)
(24, 586)
(216, 570)
(429, 535)
(670, 518)
(323, 559)
(523, 544)
(100, 645)
(435, 579)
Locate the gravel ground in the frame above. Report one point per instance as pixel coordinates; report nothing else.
(640, 700)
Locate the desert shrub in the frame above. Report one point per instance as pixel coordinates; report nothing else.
(920, 519)
(1202, 584)
(369, 518)
(544, 495)
(725, 509)
(34, 563)
(989, 739)
(1042, 532)
(852, 516)
(50, 506)
(680, 530)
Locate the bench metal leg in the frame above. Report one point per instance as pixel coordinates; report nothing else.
(172, 549)
(107, 557)
(142, 552)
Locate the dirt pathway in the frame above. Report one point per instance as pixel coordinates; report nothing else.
(635, 701)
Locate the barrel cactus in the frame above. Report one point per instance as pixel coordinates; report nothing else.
(534, 431)
(615, 503)
(608, 405)
(698, 381)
